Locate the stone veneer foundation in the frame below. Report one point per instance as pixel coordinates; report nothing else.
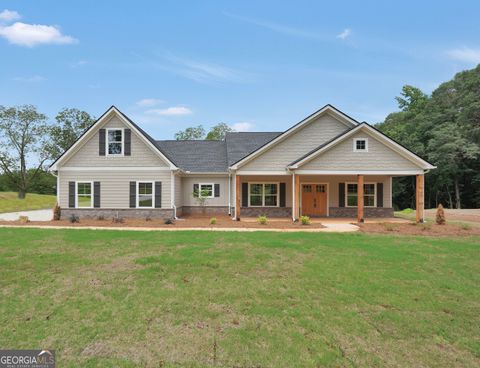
(352, 212)
(93, 213)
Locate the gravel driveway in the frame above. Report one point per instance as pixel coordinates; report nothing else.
(37, 215)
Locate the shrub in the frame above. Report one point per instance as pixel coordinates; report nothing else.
(23, 219)
(389, 226)
(73, 218)
(425, 226)
(117, 219)
(262, 220)
(57, 212)
(407, 211)
(440, 216)
(465, 226)
(305, 220)
(213, 221)
(148, 218)
(168, 221)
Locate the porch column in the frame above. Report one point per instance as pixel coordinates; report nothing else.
(296, 192)
(238, 196)
(419, 198)
(360, 204)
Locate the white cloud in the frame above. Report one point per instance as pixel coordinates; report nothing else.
(9, 16)
(149, 102)
(465, 54)
(32, 79)
(346, 33)
(243, 127)
(170, 111)
(30, 35)
(78, 63)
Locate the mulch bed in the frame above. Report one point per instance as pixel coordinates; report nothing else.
(186, 222)
(427, 229)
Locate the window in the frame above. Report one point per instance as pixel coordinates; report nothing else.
(115, 142)
(145, 194)
(368, 195)
(360, 145)
(206, 190)
(84, 195)
(263, 194)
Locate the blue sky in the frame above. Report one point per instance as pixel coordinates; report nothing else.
(259, 65)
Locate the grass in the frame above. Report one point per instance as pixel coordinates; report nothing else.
(10, 203)
(200, 299)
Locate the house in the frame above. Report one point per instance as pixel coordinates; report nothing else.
(328, 164)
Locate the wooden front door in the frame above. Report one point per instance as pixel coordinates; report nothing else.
(314, 199)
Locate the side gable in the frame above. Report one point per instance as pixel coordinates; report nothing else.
(317, 128)
(382, 154)
(85, 152)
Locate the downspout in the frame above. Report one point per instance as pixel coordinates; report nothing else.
(229, 192)
(58, 186)
(293, 196)
(172, 195)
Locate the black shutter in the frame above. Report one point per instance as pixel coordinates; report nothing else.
(379, 194)
(195, 190)
(282, 194)
(217, 190)
(341, 194)
(244, 194)
(128, 142)
(71, 194)
(133, 194)
(96, 194)
(158, 194)
(101, 142)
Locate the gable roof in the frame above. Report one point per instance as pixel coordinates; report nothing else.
(91, 130)
(397, 147)
(341, 116)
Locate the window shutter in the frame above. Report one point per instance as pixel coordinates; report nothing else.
(96, 194)
(71, 194)
(282, 194)
(158, 194)
(128, 142)
(101, 142)
(244, 194)
(341, 194)
(133, 194)
(379, 194)
(195, 190)
(217, 190)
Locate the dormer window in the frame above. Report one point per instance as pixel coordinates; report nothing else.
(114, 142)
(360, 145)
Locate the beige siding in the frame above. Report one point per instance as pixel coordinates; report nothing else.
(141, 155)
(178, 191)
(333, 183)
(115, 187)
(314, 134)
(342, 157)
(187, 190)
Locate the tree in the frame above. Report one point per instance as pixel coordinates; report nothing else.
(23, 140)
(71, 123)
(411, 99)
(217, 132)
(192, 133)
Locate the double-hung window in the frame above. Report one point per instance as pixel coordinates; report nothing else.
(145, 194)
(84, 194)
(263, 194)
(368, 194)
(114, 142)
(206, 190)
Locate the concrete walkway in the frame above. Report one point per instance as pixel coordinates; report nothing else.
(36, 215)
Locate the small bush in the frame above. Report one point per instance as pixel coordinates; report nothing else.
(168, 221)
(148, 218)
(262, 220)
(117, 219)
(213, 221)
(305, 220)
(440, 215)
(465, 226)
(23, 219)
(73, 218)
(389, 226)
(425, 226)
(57, 212)
(100, 217)
(407, 211)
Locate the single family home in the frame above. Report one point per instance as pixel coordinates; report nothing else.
(328, 164)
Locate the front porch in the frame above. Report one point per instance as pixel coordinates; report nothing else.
(359, 196)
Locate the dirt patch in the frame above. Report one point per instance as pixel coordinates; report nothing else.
(427, 229)
(185, 222)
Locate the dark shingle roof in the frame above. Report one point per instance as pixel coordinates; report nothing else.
(242, 144)
(196, 156)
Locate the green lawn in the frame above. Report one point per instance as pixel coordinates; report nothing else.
(10, 203)
(199, 299)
